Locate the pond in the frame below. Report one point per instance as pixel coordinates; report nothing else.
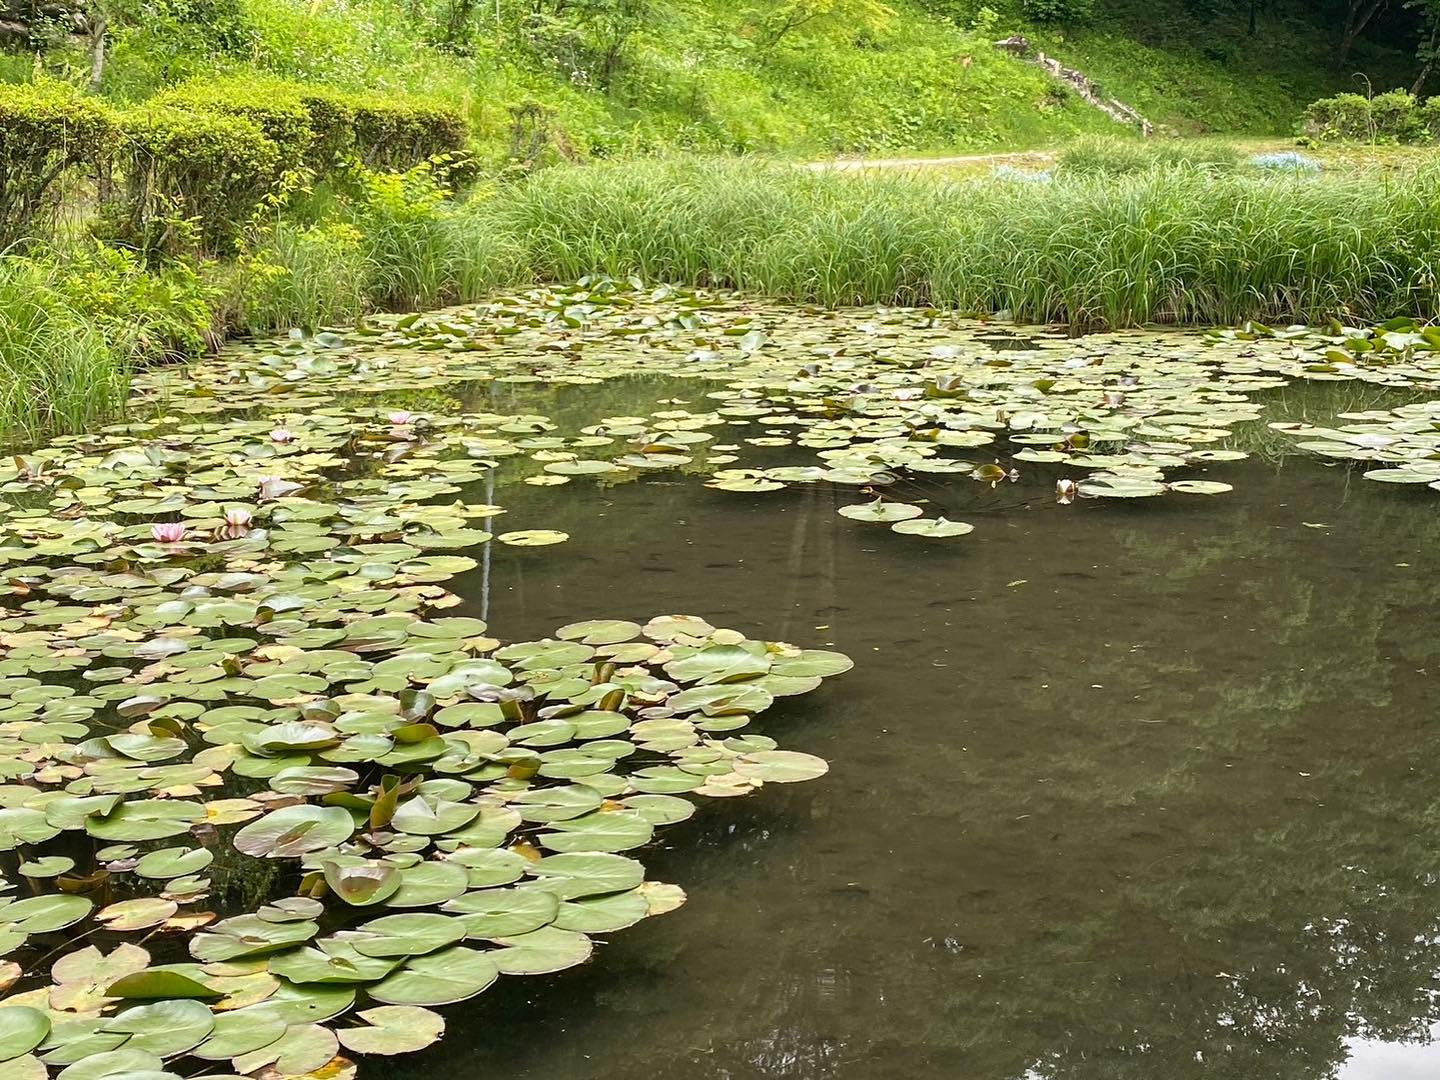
(1133, 778)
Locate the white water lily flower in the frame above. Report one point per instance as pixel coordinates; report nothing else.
(276, 487)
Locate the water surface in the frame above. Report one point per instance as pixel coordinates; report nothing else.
(1116, 790)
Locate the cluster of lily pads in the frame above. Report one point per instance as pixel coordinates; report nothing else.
(254, 779)
(453, 810)
(882, 399)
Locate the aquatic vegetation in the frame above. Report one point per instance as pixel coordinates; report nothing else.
(256, 779)
(237, 723)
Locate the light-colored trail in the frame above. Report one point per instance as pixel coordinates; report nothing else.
(957, 161)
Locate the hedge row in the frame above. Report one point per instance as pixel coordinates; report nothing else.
(205, 153)
(1393, 117)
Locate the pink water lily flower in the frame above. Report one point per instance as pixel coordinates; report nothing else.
(276, 487)
(402, 419)
(168, 532)
(1065, 491)
(282, 436)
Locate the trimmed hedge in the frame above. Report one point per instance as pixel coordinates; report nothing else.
(399, 133)
(283, 119)
(189, 170)
(1394, 116)
(45, 130)
(320, 127)
(180, 167)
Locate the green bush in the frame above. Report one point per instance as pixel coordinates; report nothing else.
(1428, 116)
(1394, 116)
(1344, 116)
(190, 181)
(399, 133)
(46, 130)
(278, 114)
(319, 126)
(1057, 11)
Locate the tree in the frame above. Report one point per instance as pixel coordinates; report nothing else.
(1428, 41)
(1358, 14)
(793, 14)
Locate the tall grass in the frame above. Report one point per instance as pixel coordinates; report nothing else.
(59, 370)
(1177, 244)
(1108, 154)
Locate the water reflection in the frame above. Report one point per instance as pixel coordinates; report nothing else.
(1117, 792)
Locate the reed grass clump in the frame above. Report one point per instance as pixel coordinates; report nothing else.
(59, 369)
(1175, 244)
(1116, 156)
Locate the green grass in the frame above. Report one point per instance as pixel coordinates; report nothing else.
(1175, 244)
(704, 75)
(60, 369)
(696, 75)
(1117, 156)
(1200, 75)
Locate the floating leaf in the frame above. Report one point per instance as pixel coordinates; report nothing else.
(393, 1029)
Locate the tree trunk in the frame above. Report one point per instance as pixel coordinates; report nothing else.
(1361, 12)
(97, 54)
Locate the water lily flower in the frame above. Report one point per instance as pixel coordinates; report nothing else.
(1114, 398)
(402, 419)
(276, 487)
(168, 532)
(282, 436)
(237, 523)
(1065, 492)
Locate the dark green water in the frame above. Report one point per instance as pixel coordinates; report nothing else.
(1118, 791)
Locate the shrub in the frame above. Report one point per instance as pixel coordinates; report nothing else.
(399, 133)
(1393, 116)
(45, 131)
(1057, 11)
(159, 314)
(190, 180)
(1428, 116)
(1344, 116)
(275, 109)
(319, 126)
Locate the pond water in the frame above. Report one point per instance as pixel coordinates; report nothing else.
(1116, 790)
(1133, 775)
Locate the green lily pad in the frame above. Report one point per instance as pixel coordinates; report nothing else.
(443, 978)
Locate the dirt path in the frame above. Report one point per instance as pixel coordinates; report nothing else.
(958, 161)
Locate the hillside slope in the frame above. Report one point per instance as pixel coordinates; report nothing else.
(581, 78)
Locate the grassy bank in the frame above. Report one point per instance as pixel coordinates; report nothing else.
(1180, 244)
(1202, 242)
